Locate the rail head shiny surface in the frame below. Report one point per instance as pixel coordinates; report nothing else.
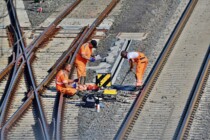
(137, 105)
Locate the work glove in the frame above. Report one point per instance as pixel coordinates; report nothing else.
(74, 85)
(76, 80)
(98, 57)
(92, 59)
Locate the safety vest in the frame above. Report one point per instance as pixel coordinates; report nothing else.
(61, 79)
(86, 50)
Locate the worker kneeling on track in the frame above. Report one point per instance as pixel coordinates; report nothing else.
(66, 86)
(141, 62)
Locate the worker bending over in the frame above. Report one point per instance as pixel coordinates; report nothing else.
(64, 85)
(141, 62)
(83, 56)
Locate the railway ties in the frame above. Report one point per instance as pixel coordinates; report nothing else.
(34, 85)
(156, 112)
(195, 102)
(42, 81)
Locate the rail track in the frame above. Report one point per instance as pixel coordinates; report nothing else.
(156, 111)
(194, 100)
(30, 107)
(29, 115)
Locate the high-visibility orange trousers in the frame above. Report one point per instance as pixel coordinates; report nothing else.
(69, 91)
(140, 70)
(81, 68)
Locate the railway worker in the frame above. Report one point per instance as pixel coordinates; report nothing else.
(83, 56)
(66, 86)
(140, 60)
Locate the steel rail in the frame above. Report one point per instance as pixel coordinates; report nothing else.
(13, 80)
(61, 61)
(5, 102)
(34, 44)
(31, 96)
(48, 31)
(8, 67)
(193, 99)
(18, 34)
(10, 36)
(16, 115)
(96, 23)
(87, 36)
(54, 24)
(72, 44)
(138, 104)
(61, 99)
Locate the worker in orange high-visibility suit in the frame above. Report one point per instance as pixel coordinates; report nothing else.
(83, 56)
(64, 85)
(141, 62)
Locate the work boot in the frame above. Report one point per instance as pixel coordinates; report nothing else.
(138, 88)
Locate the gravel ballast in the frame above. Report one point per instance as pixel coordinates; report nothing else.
(149, 16)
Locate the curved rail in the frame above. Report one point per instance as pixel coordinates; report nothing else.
(87, 36)
(51, 28)
(27, 56)
(138, 104)
(15, 24)
(47, 33)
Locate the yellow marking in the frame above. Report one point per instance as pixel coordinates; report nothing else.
(110, 91)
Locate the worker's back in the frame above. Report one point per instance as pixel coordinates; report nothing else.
(85, 50)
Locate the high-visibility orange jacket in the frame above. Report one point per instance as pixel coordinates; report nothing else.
(80, 62)
(141, 64)
(61, 80)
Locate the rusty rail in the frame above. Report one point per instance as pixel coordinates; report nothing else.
(51, 28)
(40, 39)
(18, 35)
(138, 104)
(48, 31)
(31, 96)
(8, 68)
(61, 61)
(85, 38)
(16, 115)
